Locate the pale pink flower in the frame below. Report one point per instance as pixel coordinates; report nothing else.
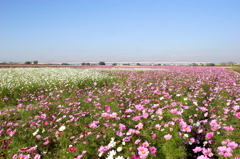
(202, 157)
(19, 105)
(37, 156)
(136, 118)
(142, 152)
(145, 115)
(139, 107)
(228, 154)
(197, 149)
(207, 152)
(232, 144)
(122, 126)
(223, 149)
(137, 141)
(145, 144)
(43, 116)
(167, 137)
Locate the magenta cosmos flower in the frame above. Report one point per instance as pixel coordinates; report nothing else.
(72, 149)
(209, 135)
(238, 115)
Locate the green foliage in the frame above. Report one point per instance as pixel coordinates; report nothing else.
(35, 62)
(28, 62)
(101, 63)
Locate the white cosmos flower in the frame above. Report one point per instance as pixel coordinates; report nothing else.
(119, 149)
(62, 128)
(35, 133)
(110, 157)
(112, 153)
(119, 157)
(112, 144)
(100, 154)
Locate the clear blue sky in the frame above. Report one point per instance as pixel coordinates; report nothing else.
(98, 30)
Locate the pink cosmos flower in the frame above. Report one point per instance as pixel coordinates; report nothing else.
(122, 126)
(228, 128)
(209, 135)
(167, 137)
(137, 141)
(11, 133)
(136, 118)
(153, 149)
(145, 144)
(142, 152)
(145, 115)
(37, 156)
(19, 105)
(135, 157)
(139, 107)
(159, 111)
(223, 149)
(238, 115)
(202, 157)
(45, 123)
(207, 152)
(154, 136)
(197, 149)
(43, 116)
(38, 136)
(79, 157)
(192, 140)
(228, 154)
(46, 142)
(107, 108)
(232, 144)
(139, 126)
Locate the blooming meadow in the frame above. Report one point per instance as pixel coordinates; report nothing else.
(169, 112)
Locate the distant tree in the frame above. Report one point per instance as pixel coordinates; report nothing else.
(223, 64)
(138, 64)
(35, 62)
(101, 63)
(126, 64)
(83, 63)
(210, 64)
(28, 62)
(230, 63)
(88, 64)
(114, 64)
(64, 63)
(193, 64)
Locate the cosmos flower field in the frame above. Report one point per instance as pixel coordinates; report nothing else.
(163, 112)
